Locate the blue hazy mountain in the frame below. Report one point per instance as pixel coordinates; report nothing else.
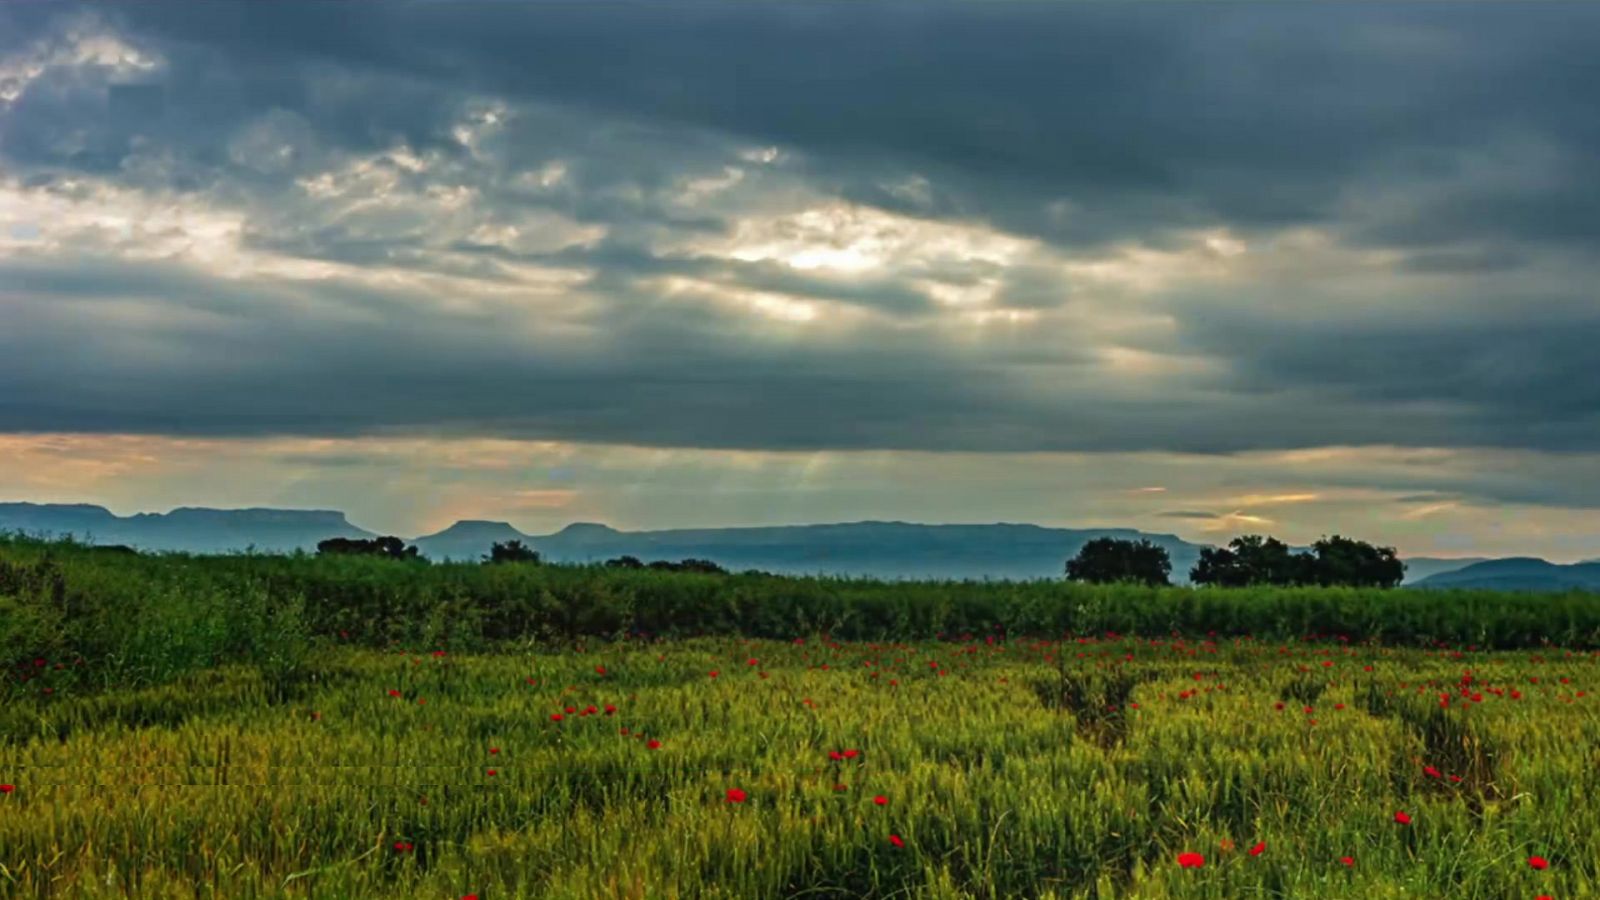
(190, 529)
(1521, 573)
(866, 549)
(1419, 568)
(869, 549)
(469, 539)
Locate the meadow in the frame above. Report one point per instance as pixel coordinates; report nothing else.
(231, 732)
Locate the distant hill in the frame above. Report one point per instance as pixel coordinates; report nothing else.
(196, 530)
(888, 550)
(467, 540)
(1421, 567)
(1519, 574)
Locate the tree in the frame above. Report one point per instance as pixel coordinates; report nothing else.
(512, 552)
(387, 546)
(1106, 560)
(1344, 561)
(1219, 566)
(701, 565)
(1251, 559)
(1254, 559)
(688, 565)
(624, 562)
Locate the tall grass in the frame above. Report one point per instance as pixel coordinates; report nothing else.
(1013, 769)
(146, 619)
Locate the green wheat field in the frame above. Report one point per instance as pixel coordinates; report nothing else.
(268, 749)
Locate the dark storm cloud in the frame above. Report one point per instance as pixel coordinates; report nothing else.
(1460, 137)
(1141, 116)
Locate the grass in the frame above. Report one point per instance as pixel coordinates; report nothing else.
(266, 726)
(1004, 772)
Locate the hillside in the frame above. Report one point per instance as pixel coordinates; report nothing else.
(1519, 574)
(189, 529)
(888, 550)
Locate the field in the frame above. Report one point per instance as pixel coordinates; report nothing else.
(734, 768)
(260, 726)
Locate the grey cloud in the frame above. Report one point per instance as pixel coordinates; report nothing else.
(1084, 125)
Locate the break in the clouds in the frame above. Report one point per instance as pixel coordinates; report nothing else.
(980, 229)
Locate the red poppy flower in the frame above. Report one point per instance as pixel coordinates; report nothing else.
(555, 717)
(895, 840)
(610, 710)
(714, 673)
(393, 692)
(851, 754)
(881, 800)
(1348, 860)
(840, 787)
(836, 756)
(402, 847)
(1191, 860)
(469, 897)
(7, 788)
(1538, 862)
(493, 772)
(1402, 818)
(736, 796)
(494, 749)
(1259, 848)
(599, 670)
(1430, 771)
(653, 745)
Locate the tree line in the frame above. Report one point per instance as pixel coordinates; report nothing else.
(502, 552)
(1247, 561)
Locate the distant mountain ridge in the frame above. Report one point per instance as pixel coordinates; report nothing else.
(863, 549)
(191, 529)
(878, 549)
(1521, 573)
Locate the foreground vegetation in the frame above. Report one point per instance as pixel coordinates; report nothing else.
(722, 767)
(124, 620)
(258, 726)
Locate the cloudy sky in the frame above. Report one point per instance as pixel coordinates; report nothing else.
(1294, 268)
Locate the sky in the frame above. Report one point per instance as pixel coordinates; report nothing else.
(1199, 269)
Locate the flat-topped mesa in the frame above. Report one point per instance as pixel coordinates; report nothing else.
(479, 528)
(582, 529)
(253, 516)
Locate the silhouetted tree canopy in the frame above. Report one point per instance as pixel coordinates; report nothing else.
(387, 546)
(624, 562)
(1343, 561)
(688, 565)
(1253, 559)
(1108, 560)
(512, 552)
(114, 550)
